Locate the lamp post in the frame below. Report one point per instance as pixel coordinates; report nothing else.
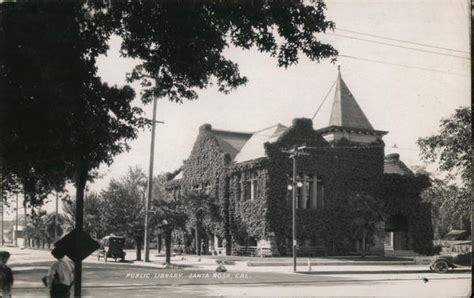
(294, 153)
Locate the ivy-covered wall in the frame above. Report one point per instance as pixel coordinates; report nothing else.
(344, 167)
(248, 217)
(207, 166)
(401, 196)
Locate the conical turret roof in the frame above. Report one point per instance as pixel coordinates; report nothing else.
(346, 112)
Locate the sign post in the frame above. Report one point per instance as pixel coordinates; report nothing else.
(77, 245)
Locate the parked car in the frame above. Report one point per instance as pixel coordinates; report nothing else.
(443, 263)
(112, 247)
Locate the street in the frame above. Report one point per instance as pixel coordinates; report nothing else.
(131, 280)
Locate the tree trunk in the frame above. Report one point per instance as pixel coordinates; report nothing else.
(159, 243)
(226, 203)
(363, 244)
(139, 249)
(198, 238)
(228, 244)
(168, 245)
(80, 181)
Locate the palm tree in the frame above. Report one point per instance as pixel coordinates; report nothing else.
(52, 229)
(196, 208)
(35, 229)
(169, 215)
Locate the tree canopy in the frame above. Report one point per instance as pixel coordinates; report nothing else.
(182, 43)
(124, 204)
(451, 147)
(56, 114)
(57, 119)
(93, 214)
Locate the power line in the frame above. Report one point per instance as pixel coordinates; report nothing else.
(325, 97)
(398, 46)
(403, 148)
(400, 40)
(404, 65)
(340, 147)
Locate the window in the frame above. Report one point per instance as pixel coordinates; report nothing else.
(242, 188)
(207, 189)
(300, 193)
(219, 241)
(250, 188)
(253, 189)
(311, 193)
(319, 194)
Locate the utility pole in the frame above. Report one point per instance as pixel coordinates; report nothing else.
(294, 153)
(150, 183)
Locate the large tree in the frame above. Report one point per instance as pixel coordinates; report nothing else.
(169, 216)
(203, 214)
(451, 146)
(124, 209)
(59, 121)
(366, 213)
(93, 214)
(181, 44)
(443, 197)
(451, 150)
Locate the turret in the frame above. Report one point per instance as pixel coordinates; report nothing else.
(347, 119)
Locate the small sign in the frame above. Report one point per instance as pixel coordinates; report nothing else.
(77, 245)
(294, 242)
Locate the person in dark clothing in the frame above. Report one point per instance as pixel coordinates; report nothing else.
(6, 275)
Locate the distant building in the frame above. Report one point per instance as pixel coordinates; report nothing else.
(247, 175)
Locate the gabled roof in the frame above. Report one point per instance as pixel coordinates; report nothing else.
(393, 165)
(231, 142)
(346, 112)
(254, 148)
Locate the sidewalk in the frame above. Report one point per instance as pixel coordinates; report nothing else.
(27, 259)
(284, 265)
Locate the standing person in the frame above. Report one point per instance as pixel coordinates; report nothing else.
(6, 275)
(60, 276)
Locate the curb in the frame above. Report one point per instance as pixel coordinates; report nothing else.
(316, 263)
(379, 272)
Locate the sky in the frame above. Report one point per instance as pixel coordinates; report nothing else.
(406, 95)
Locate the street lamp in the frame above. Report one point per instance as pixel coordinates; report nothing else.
(294, 153)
